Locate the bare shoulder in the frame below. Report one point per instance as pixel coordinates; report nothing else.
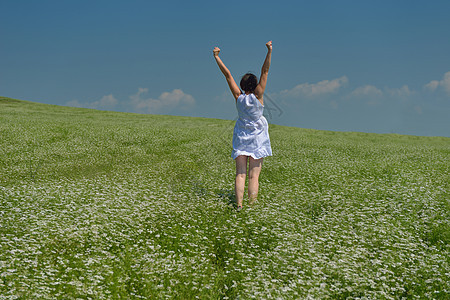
(260, 98)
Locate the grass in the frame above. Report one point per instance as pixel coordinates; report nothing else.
(105, 205)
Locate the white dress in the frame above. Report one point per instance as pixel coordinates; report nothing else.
(251, 132)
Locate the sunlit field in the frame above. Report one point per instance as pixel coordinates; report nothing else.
(106, 205)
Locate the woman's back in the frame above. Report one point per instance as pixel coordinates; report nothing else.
(249, 108)
(250, 135)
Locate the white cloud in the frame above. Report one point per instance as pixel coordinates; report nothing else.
(402, 92)
(315, 89)
(367, 91)
(106, 102)
(166, 101)
(74, 103)
(141, 104)
(225, 97)
(432, 85)
(444, 83)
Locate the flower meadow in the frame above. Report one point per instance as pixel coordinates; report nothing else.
(106, 205)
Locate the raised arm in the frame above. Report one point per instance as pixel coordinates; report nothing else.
(230, 80)
(261, 87)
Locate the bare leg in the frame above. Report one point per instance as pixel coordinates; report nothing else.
(253, 178)
(241, 171)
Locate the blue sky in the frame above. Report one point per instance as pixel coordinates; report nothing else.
(371, 66)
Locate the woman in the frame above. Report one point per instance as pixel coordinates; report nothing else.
(251, 141)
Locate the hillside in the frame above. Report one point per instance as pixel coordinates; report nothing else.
(97, 204)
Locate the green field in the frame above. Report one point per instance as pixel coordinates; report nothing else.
(108, 205)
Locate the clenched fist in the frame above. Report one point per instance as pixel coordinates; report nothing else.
(216, 51)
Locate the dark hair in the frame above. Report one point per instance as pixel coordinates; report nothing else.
(249, 82)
